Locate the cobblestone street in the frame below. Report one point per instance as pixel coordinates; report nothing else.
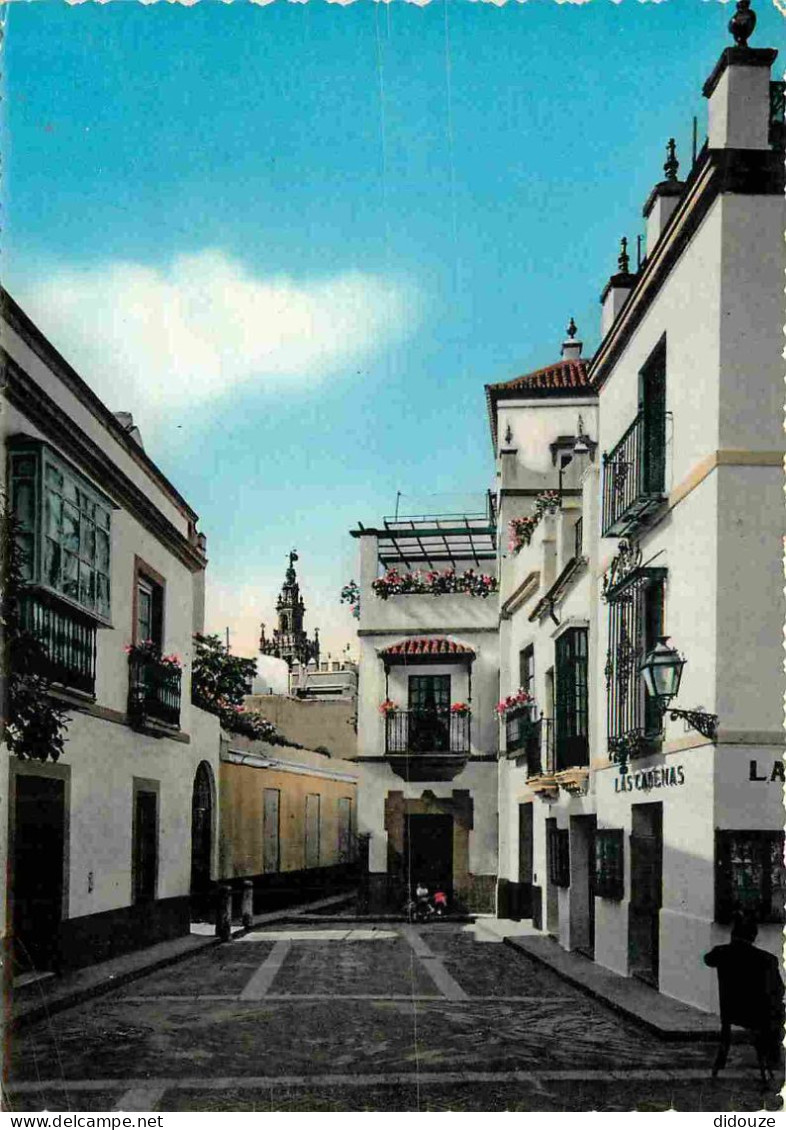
(385, 1018)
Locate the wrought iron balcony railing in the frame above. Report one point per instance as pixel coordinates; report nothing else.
(633, 477)
(153, 691)
(68, 640)
(427, 732)
(540, 751)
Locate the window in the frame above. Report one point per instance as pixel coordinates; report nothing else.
(609, 877)
(271, 831)
(558, 852)
(749, 875)
(429, 713)
(652, 406)
(145, 841)
(65, 534)
(635, 622)
(312, 830)
(527, 670)
(149, 588)
(572, 744)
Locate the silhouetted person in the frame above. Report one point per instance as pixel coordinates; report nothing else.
(751, 995)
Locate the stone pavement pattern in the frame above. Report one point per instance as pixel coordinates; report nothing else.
(388, 1018)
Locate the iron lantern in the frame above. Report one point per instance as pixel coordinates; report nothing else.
(661, 670)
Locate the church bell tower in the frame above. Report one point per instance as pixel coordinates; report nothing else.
(290, 640)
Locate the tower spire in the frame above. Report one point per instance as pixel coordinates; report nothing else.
(290, 640)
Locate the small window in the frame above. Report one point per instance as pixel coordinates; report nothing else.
(609, 878)
(558, 851)
(749, 875)
(527, 670)
(149, 605)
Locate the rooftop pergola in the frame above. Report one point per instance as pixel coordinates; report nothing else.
(435, 539)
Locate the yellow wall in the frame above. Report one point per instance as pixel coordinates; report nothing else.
(241, 789)
(328, 723)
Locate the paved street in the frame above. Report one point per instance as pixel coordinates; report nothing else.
(390, 1017)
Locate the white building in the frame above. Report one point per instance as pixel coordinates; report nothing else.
(107, 845)
(427, 734)
(641, 853)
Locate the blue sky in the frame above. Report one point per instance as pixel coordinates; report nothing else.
(295, 240)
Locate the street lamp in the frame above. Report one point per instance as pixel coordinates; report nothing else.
(661, 670)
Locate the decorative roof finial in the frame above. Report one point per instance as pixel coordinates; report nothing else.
(572, 331)
(672, 165)
(624, 259)
(742, 23)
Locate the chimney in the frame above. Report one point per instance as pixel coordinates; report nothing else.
(664, 198)
(571, 349)
(616, 290)
(739, 89)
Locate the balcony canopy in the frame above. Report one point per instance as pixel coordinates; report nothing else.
(436, 539)
(437, 649)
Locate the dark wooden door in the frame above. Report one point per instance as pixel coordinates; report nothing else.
(201, 842)
(39, 847)
(646, 894)
(428, 852)
(526, 840)
(145, 846)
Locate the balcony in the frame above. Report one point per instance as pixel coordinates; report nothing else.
(153, 692)
(427, 745)
(67, 638)
(633, 477)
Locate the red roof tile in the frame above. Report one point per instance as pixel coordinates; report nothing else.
(565, 374)
(437, 646)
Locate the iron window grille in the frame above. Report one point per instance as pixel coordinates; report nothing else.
(65, 528)
(634, 471)
(572, 729)
(777, 122)
(67, 637)
(749, 875)
(609, 872)
(635, 623)
(559, 855)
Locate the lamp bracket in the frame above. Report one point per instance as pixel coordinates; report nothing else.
(706, 724)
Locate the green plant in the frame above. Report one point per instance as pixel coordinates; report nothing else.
(34, 723)
(218, 680)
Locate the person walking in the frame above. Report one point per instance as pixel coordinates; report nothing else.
(751, 995)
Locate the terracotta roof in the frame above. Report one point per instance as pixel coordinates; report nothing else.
(437, 646)
(560, 376)
(563, 378)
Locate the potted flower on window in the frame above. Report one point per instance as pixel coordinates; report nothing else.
(387, 707)
(514, 703)
(459, 708)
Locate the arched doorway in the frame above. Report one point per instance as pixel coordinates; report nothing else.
(201, 842)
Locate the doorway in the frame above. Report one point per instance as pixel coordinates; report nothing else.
(646, 893)
(582, 886)
(428, 852)
(429, 713)
(526, 845)
(552, 892)
(39, 858)
(201, 843)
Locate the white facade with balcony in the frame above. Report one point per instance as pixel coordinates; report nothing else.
(677, 824)
(105, 846)
(427, 793)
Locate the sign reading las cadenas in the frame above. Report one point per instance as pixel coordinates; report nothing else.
(658, 778)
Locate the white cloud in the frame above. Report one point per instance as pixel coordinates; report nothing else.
(150, 339)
